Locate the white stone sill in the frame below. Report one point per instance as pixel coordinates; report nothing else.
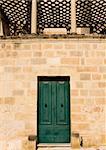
(54, 145)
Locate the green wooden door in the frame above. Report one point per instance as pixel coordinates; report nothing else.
(53, 112)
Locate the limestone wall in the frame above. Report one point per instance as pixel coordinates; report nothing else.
(23, 60)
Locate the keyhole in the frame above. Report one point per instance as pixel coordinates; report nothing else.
(61, 105)
(45, 105)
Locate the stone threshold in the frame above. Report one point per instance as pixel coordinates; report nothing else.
(54, 145)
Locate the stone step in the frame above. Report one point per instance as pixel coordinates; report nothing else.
(54, 147)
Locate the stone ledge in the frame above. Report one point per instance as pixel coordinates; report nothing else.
(55, 36)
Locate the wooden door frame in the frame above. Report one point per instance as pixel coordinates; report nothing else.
(57, 78)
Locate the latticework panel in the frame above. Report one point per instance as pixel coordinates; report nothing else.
(54, 14)
(98, 16)
(57, 13)
(83, 13)
(18, 14)
(92, 13)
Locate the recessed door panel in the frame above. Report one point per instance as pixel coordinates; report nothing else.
(62, 103)
(45, 103)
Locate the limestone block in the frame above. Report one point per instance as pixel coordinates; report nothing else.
(53, 61)
(2, 145)
(70, 61)
(14, 145)
(29, 145)
(83, 30)
(55, 31)
(85, 76)
(75, 140)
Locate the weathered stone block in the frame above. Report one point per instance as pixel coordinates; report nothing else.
(70, 61)
(85, 76)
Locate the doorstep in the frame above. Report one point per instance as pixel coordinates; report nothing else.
(56, 146)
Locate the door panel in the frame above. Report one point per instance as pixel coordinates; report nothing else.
(62, 103)
(45, 103)
(54, 108)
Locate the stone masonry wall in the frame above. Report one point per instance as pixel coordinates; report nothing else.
(22, 60)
